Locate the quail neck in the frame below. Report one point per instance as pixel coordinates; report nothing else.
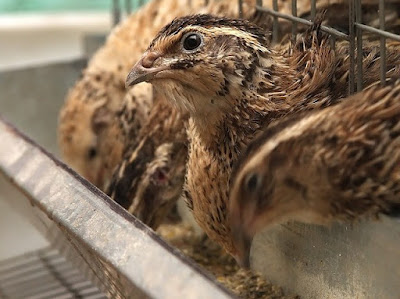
(232, 84)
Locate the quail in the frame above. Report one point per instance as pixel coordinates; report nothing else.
(86, 122)
(339, 163)
(150, 177)
(90, 106)
(233, 84)
(139, 167)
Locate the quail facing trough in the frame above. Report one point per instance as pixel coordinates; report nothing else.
(339, 163)
(148, 181)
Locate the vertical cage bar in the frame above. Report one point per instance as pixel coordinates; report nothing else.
(313, 9)
(359, 45)
(294, 24)
(240, 8)
(383, 41)
(275, 28)
(351, 46)
(259, 3)
(128, 7)
(116, 12)
(333, 41)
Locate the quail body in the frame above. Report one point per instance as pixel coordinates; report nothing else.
(233, 84)
(340, 163)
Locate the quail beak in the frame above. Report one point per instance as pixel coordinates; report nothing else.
(242, 241)
(144, 69)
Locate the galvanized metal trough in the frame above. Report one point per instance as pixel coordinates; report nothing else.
(120, 254)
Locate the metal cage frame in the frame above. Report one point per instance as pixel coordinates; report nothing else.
(356, 29)
(354, 37)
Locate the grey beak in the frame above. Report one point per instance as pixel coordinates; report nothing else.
(243, 245)
(137, 75)
(144, 70)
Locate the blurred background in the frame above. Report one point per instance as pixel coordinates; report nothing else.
(35, 32)
(44, 45)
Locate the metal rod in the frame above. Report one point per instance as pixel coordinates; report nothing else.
(378, 31)
(21, 161)
(116, 12)
(275, 26)
(359, 46)
(294, 24)
(128, 6)
(383, 41)
(333, 42)
(241, 9)
(326, 29)
(352, 46)
(9, 266)
(313, 9)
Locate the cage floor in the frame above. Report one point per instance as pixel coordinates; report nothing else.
(44, 274)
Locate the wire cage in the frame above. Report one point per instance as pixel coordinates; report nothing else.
(116, 254)
(118, 8)
(355, 28)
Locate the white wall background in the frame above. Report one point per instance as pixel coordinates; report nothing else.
(32, 39)
(27, 40)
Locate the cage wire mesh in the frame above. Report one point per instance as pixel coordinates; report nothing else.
(44, 274)
(356, 28)
(121, 7)
(51, 272)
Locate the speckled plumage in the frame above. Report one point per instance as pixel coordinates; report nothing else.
(340, 163)
(100, 91)
(149, 179)
(232, 86)
(100, 94)
(83, 120)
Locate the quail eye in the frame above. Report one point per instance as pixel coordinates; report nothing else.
(252, 182)
(192, 41)
(160, 176)
(92, 153)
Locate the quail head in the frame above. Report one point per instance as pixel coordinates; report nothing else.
(339, 163)
(84, 120)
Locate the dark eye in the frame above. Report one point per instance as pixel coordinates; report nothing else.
(252, 182)
(192, 41)
(160, 176)
(92, 153)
